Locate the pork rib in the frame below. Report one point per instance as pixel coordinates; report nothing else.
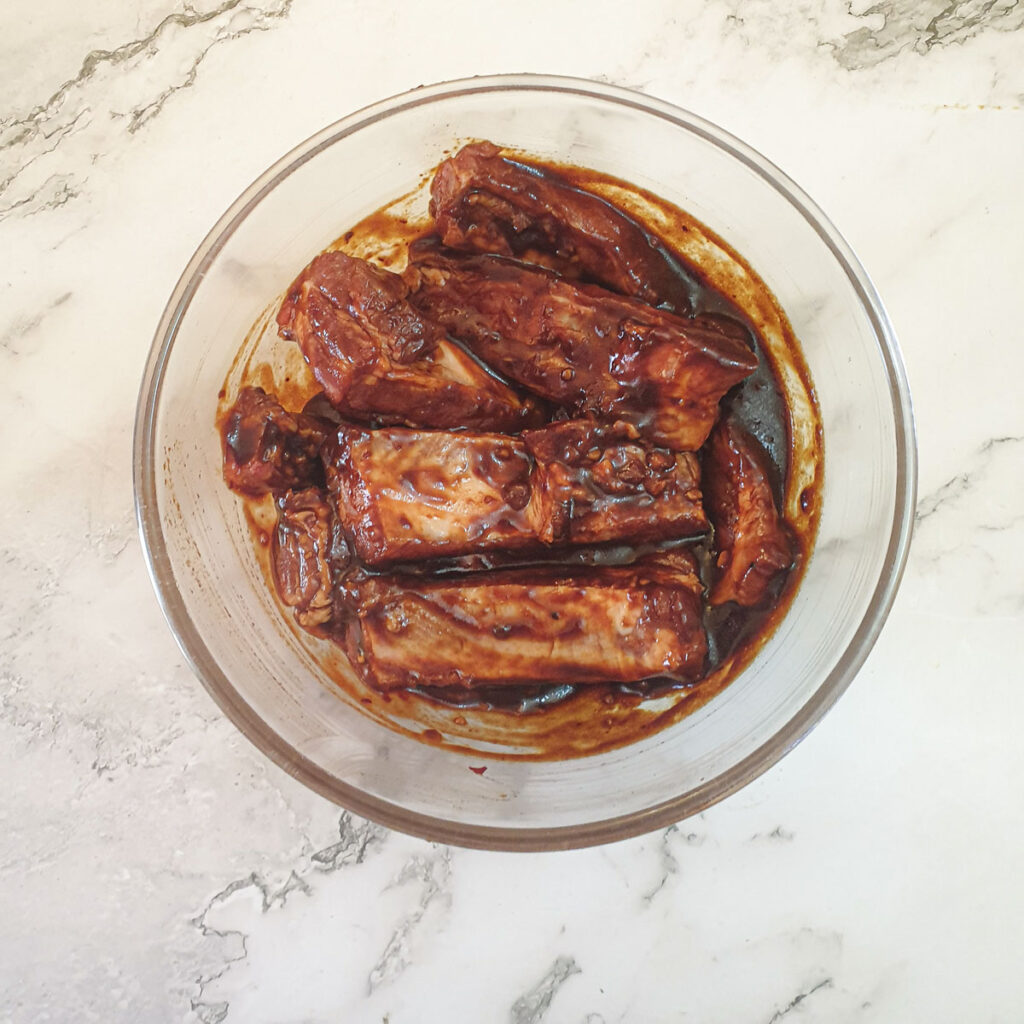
(594, 483)
(377, 358)
(266, 448)
(583, 347)
(307, 554)
(404, 495)
(485, 202)
(530, 626)
(752, 545)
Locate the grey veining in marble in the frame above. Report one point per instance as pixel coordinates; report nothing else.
(890, 29)
(115, 92)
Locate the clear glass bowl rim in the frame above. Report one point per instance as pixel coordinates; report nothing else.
(492, 837)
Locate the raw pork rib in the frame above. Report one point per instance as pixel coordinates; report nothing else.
(307, 553)
(581, 346)
(617, 624)
(408, 494)
(485, 202)
(266, 448)
(752, 544)
(378, 358)
(594, 483)
(403, 495)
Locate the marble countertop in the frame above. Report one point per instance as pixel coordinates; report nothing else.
(155, 867)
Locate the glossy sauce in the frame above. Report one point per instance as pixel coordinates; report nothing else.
(557, 721)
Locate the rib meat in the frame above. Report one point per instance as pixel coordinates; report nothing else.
(595, 483)
(485, 202)
(531, 626)
(752, 544)
(404, 495)
(377, 358)
(583, 347)
(307, 553)
(266, 448)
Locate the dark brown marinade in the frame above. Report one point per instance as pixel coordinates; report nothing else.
(755, 405)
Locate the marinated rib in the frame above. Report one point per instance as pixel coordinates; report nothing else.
(530, 626)
(378, 358)
(266, 448)
(404, 495)
(307, 553)
(752, 544)
(594, 483)
(485, 202)
(581, 346)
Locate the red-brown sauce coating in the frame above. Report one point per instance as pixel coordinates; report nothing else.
(559, 718)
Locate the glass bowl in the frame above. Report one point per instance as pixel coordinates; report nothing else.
(271, 680)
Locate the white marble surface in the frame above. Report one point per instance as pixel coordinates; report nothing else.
(154, 867)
